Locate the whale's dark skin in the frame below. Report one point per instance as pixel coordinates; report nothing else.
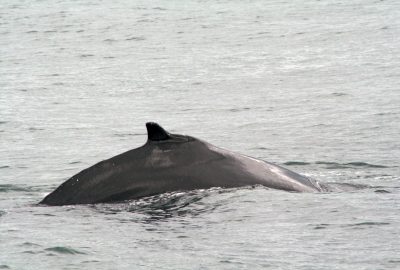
(172, 162)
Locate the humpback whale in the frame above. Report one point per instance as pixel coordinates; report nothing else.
(172, 162)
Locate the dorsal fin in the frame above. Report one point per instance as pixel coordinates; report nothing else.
(156, 133)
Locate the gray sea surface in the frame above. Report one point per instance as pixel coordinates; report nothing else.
(313, 86)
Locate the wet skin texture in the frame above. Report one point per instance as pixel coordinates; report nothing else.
(172, 162)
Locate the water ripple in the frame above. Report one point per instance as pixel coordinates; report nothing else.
(18, 188)
(167, 205)
(336, 165)
(64, 250)
(368, 223)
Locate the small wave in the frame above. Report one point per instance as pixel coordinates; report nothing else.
(35, 129)
(30, 244)
(335, 165)
(364, 164)
(74, 162)
(321, 226)
(9, 188)
(239, 109)
(64, 250)
(339, 94)
(136, 38)
(296, 163)
(343, 187)
(128, 134)
(368, 223)
(86, 55)
(382, 191)
(348, 165)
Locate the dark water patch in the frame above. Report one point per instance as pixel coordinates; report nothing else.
(109, 57)
(4, 167)
(296, 163)
(32, 32)
(50, 31)
(80, 31)
(58, 84)
(86, 55)
(64, 250)
(109, 40)
(159, 8)
(197, 83)
(385, 28)
(3, 122)
(136, 38)
(2, 213)
(4, 266)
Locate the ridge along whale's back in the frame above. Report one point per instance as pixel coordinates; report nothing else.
(172, 162)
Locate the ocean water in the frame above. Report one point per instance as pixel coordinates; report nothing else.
(311, 85)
